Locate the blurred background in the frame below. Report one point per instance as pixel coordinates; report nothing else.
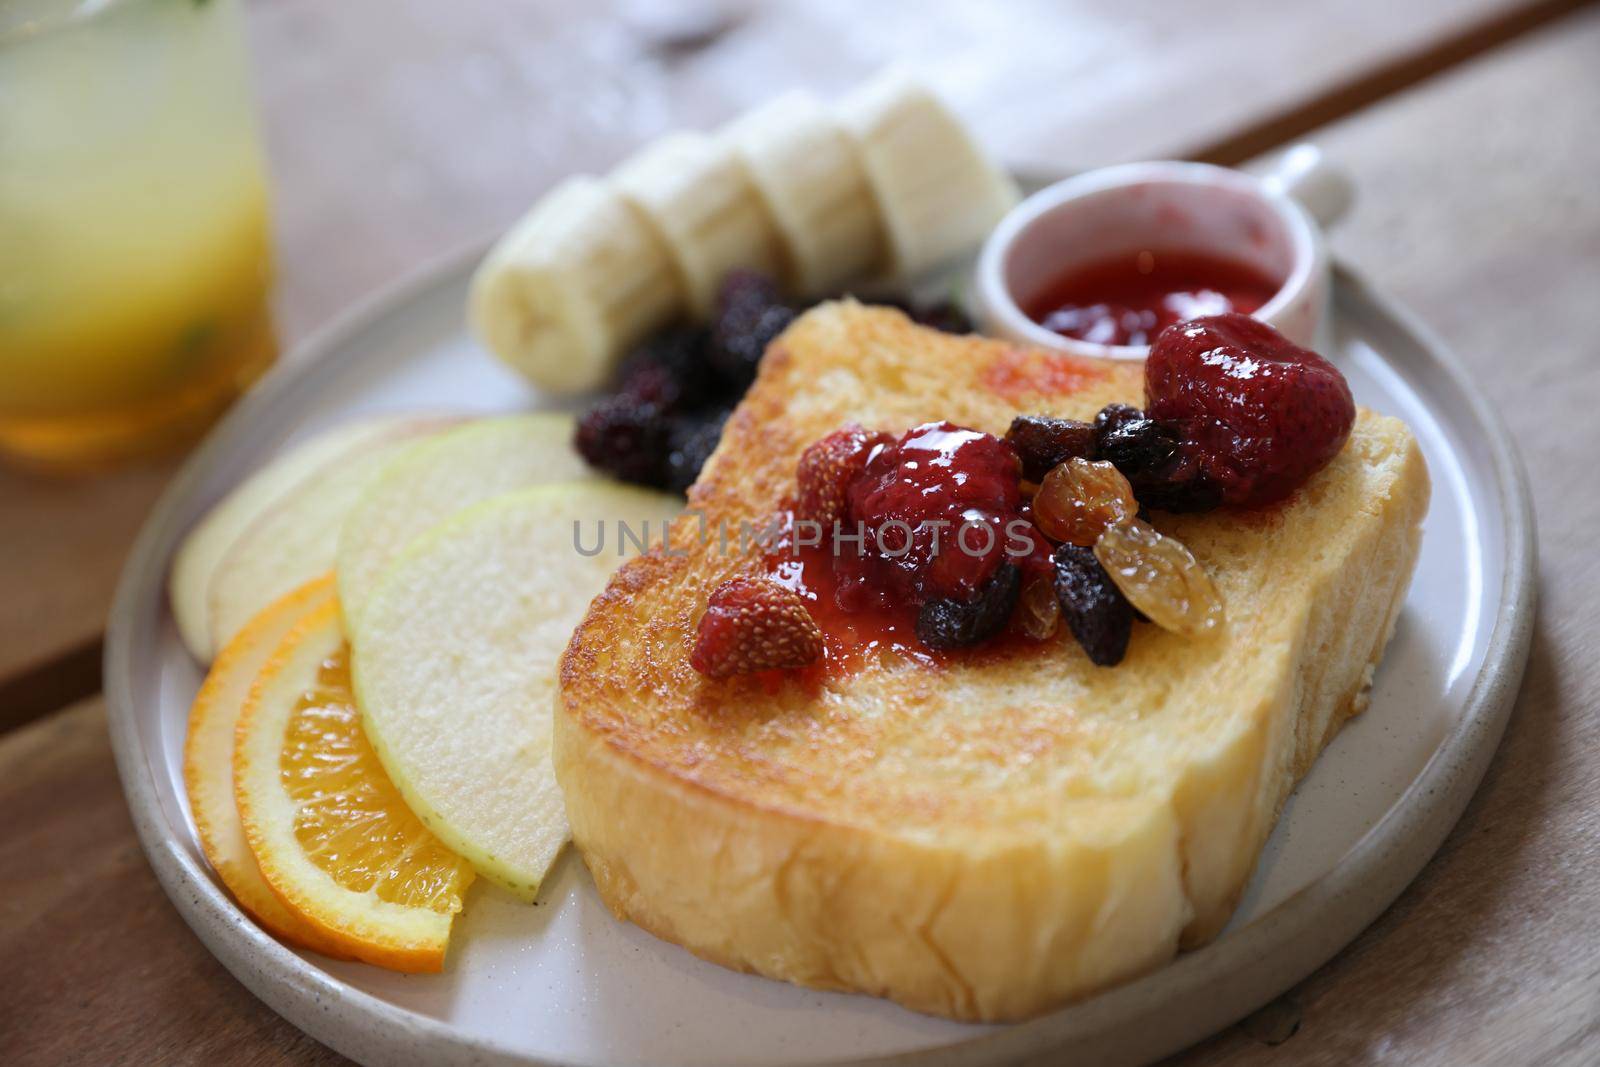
(396, 133)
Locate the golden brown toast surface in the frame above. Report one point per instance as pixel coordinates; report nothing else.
(989, 836)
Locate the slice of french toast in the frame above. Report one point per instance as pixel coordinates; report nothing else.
(989, 836)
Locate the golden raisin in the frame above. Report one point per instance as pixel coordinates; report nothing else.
(1038, 609)
(1080, 498)
(1160, 577)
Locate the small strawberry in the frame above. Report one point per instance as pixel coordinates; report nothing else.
(754, 624)
(1258, 412)
(827, 468)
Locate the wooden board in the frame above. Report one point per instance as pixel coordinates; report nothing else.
(99, 968)
(467, 110)
(64, 545)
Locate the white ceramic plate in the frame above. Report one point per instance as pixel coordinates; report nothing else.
(566, 983)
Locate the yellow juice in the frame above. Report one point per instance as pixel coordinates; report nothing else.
(134, 249)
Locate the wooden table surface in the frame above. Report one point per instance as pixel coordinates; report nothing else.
(399, 130)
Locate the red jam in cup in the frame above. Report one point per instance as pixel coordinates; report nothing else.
(1128, 299)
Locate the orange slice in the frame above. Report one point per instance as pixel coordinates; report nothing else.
(330, 833)
(208, 764)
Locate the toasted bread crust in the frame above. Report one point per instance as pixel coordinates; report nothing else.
(983, 840)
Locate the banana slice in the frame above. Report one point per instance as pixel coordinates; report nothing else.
(572, 286)
(698, 194)
(809, 173)
(938, 193)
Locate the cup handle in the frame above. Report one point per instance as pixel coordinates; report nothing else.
(1322, 187)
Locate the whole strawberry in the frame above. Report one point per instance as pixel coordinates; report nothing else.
(827, 468)
(754, 624)
(1260, 413)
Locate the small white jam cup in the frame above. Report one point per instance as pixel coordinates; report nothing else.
(1272, 224)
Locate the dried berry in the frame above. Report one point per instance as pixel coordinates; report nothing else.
(749, 314)
(626, 439)
(1260, 413)
(1079, 499)
(1038, 611)
(1132, 440)
(754, 624)
(692, 440)
(1096, 611)
(653, 384)
(1163, 469)
(1182, 489)
(1113, 416)
(827, 468)
(1160, 577)
(947, 623)
(1043, 443)
(676, 355)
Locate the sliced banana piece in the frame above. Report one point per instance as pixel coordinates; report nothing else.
(698, 194)
(808, 171)
(431, 480)
(574, 284)
(938, 193)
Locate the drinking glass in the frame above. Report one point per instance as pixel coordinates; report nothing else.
(134, 248)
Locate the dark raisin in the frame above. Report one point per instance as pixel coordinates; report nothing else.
(680, 352)
(1181, 488)
(1113, 416)
(1043, 443)
(1157, 462)
(741, 343)
(945, 623)
(1137, 445)
(692, 441)
(653, 384)
(625, 439)
(1099, 616)
(750, 313)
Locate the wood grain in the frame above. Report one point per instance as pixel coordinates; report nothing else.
(98, 967)
(400, 130)
(387, 152)
(64, 543)
(1480, 208)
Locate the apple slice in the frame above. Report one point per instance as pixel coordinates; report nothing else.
(205, 545)
(454, 659)
(297, 538)
(433, 479)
